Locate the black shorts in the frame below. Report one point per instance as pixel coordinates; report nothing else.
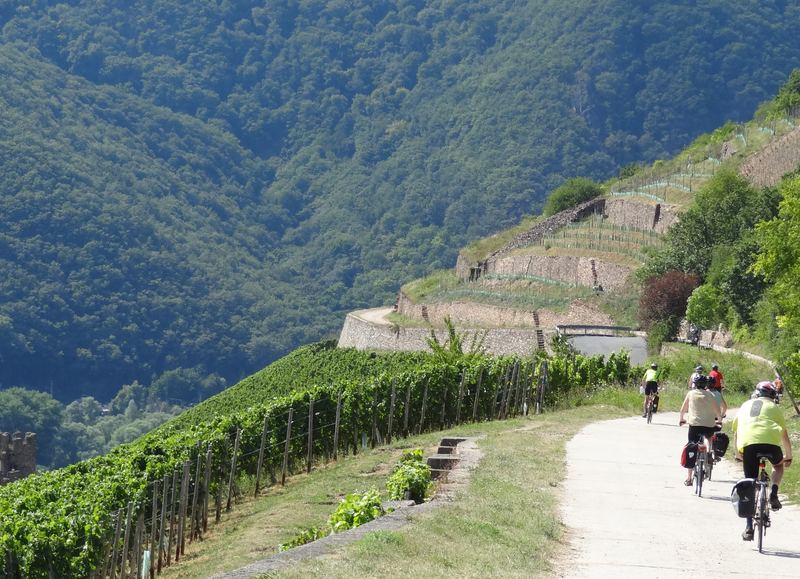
(750, 460)
(650, 388)
(697, 432)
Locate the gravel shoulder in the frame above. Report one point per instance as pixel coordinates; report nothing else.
(628, 514)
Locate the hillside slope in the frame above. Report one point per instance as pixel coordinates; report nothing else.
(316, 153)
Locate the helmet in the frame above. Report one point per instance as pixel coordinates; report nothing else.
(698, 369)
(699, 382)
(654, 366)
(766, 389)
(714, 367)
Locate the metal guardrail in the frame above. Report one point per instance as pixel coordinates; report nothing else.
(588, 330)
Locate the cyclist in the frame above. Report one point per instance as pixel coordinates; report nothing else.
(698, 371)
(717, 387)
(760, 427)
(702, 414)
(650, 385)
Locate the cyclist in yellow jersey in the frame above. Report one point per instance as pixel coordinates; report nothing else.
(760, 427)
(649, 385)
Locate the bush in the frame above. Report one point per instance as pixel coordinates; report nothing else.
(664, 297)
(410, 476)
(573, 192)
(307, 536)
(355, 510)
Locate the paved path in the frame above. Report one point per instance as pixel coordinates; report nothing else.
(374, 315)
(628, 514)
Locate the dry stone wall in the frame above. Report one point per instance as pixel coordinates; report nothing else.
(766, 168)
(17, 456)
(569, 269)
(363, 335)
(640, 214)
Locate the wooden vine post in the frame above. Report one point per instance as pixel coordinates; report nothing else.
(112, 572)
(406, 409)
(336, 425)
(153, 528)
(285, 466)
(460, 395)
(310, 452)
(232, 478)
(421, 424)
(184, 503)
(126, 541)
(162, 524)
(206, 489)
(374, 436)
(477, 397)
(261, 450)
(391, 412)
(444, 406)
(195, 495)
(170, 517)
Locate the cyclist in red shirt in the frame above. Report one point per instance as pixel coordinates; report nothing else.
(717, 387)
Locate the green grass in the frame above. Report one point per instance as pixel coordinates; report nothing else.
(505, 523)
(430, 286)
(478, 250)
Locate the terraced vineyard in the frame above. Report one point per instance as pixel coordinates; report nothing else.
(598, 234)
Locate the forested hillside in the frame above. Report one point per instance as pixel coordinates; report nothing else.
(205, 186)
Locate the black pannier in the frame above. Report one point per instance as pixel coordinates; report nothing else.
(743, 497)
(720, 443)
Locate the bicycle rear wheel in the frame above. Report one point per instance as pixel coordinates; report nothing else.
(761, 505)
(649, 412)
(709, 465)
(699, 473)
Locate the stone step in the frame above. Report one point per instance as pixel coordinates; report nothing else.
(439, 474)
(443, 461)
(451, 441)
(446, 450)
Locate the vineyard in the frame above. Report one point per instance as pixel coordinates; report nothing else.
(597, 234)
(132, 511)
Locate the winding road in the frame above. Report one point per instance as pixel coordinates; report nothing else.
(628, 513)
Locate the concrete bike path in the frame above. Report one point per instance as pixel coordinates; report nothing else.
(628, 514)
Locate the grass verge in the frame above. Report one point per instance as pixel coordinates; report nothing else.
(505, 523)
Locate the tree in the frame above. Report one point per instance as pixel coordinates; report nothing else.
(574, 192)
(32, 411)
(706, 307)
(664, 299)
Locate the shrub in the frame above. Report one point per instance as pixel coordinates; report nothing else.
(355, 510)
(307, 536)
(573, 192)
(664, 297)
(410, 476)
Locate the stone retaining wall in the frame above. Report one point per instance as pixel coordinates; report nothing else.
(17, 455)
(363, 335)
(640, 215)
(766, 168)
(566, 268)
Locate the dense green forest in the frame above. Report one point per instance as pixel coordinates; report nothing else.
(200, 187)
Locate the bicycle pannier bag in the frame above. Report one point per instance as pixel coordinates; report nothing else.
(721, 442)
(689, 455)
(655, 403)
(743, 497)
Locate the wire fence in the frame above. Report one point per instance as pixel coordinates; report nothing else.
(150, 534)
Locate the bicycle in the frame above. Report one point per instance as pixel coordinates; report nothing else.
(703, 465)
(649, 408)
(761, 518)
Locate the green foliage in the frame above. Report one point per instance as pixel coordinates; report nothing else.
(410, 476)
(664, 298)
(355, 510)
(204, 186)
(706, 307)
(306, 536)
(661, 331)
(573, 192)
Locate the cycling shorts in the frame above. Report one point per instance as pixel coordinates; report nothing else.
(750, 460)
(696, 433)
(650, 388)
